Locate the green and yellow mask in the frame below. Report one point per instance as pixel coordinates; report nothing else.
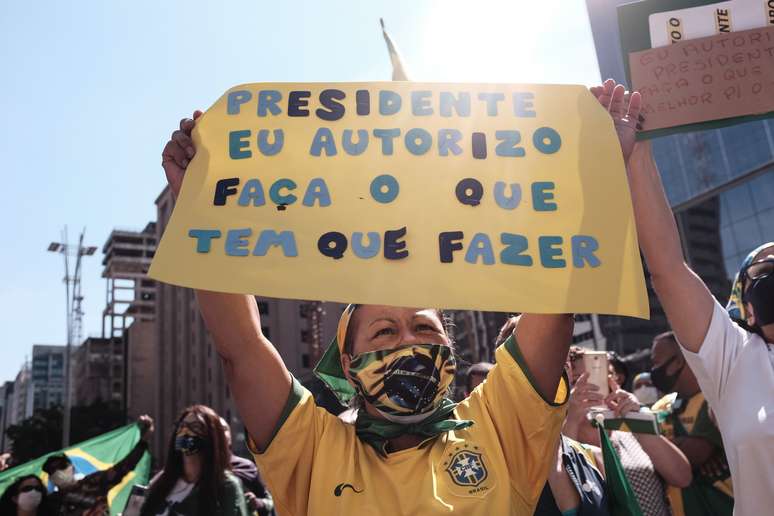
(406, 384)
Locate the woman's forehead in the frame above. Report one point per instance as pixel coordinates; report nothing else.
(369, 313)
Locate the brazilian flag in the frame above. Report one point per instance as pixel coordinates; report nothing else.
(100, 453)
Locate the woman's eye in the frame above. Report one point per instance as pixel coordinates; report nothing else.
(384, 331)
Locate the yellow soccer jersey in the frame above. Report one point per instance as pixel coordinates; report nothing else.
(316, 465)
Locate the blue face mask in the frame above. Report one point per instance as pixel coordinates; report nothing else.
(189, 444)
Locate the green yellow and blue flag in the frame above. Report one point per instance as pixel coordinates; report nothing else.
(96, 454)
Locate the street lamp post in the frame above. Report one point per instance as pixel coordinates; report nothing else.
(74, 313)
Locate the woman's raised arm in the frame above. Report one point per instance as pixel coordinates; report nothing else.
(686, 300)
(256, 375)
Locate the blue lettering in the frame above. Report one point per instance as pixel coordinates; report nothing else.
(236, 242)
(318, 190)
(203, 238)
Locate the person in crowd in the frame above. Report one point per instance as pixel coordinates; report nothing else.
(89, 495)
(690, 426)
(25, 497)
(196, 479)
(411, 450)
(257, 497)
(734, 363)
(618, 369)
(650, 462)
(475, 375)
(644, 390)
(575, 485)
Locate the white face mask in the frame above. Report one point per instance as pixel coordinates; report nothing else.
(63, 477)
(646, 394)
(30, 500)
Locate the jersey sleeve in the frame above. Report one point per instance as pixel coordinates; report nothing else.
(526, 424)
(705, 428)
(720, 350)
(287, 462)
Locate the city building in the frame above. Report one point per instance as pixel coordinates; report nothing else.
(21, 404)
(720, 183)
(141, 369)
(47, 376)
(6, 400)
(98, 371)
(129, 314)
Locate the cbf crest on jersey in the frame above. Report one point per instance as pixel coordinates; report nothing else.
(467, 468)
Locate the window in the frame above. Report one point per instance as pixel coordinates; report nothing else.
(263, 308)
(305, 360)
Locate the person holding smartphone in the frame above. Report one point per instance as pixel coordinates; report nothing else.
(650, 462)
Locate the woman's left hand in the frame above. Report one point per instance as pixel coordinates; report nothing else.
(621, 402)
(624, 109)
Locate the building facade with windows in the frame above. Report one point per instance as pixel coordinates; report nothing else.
(47, 376)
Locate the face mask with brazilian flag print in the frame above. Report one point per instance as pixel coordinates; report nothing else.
(405, 384)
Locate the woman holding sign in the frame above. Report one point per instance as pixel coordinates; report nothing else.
(734, 363)
(411, 450)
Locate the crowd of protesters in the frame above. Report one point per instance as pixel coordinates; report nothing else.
(529, 435)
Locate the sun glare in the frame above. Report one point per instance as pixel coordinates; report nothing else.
(491, 41)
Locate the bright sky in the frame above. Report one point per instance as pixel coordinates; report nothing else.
(91, 90)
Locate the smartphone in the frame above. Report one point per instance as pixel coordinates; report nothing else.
(136, 499)
(595, 363)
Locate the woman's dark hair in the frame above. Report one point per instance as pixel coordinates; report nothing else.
(216, 458)
(55, 463)
(619, 366)
(7, 505)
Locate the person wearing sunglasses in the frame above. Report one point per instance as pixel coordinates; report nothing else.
(24, 497)
(196, 479)
(733, 363)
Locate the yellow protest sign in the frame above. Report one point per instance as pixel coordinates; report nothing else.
(463, 196)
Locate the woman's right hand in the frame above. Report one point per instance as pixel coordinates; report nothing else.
(178, 153)
(583, 397)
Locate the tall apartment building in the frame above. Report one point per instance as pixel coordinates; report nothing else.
(47, 376)
(6, 400)
(21, 405)
(720, 183)
(130, 309)
(98, 371)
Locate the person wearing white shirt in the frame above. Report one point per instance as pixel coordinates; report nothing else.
(734, 364)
